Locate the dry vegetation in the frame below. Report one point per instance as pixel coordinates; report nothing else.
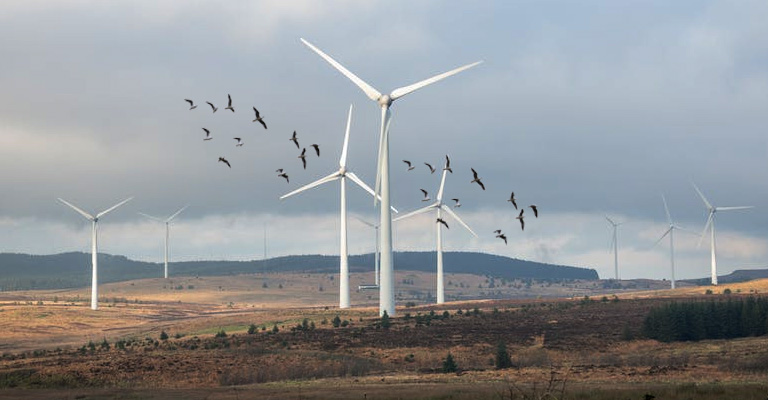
(567, 348)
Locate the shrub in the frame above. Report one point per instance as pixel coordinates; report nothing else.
(274, 329)
(385, 323)
(221, 334)
(252, 329)
(449, 365)
(336, 321)
(727, 291)
(502, 357)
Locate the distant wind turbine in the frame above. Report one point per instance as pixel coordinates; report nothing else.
(342, 174)
(167, 223)
(376, 253)
(671, 232)
(712, 210)
(439, 207)
(615, 244)
(94, 246)
(387, 290)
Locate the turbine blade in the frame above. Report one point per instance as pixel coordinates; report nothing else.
(329, 178)
(108, 210)
(151, 217)
(666, 209)
(416, 212)
(176, 213)
(400, 92)
(343, 159)
(679, 228)
(442, 185)
(611, 221)
(662, 236)
(386, 117)
(81, 212)
(706, 226)
(364, 222)
(704, 199)
(456, 217)
(359, 182)
(733, 208)
(369, 91)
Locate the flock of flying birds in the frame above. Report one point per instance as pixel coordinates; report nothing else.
(478, 180)
(303, 156)
(280, 171)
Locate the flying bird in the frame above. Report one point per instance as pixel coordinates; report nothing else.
(192, 105)
(535, 210)
(284, 175)
(212, 106)
(304, 157)
(258, 118)
(477, 179)
(520, 217)
(239, 142)
(447, 164)
(410, 167)
(294, 139)
(426, 196)
(224, 160)
(229, 104)
(441, 221)
(512, 200)
(457, 205)
(503, 237)
(317, 149)
(430, 168)
(207, 134)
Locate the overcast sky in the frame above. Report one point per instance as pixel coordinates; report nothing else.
(586, 109)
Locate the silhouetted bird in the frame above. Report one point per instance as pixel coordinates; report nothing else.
(447, 164)
(457, 205)
(512, 199)
(192, 105)
(503, 237)
(535, 210)
(295, 140)
(239, 142)
(426, 196)
(229, 104)
(284, 175)
(214, 108)
(224, 160)
(410, 167)
(207, 134)
(477, 179)
(304, 157)
(317, 149)
(520, 217)
(432, 170)
(258, 118)
(441, 221)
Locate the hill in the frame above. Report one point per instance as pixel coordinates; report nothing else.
(69, 270)
(739, 275)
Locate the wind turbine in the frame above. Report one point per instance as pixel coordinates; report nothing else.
(376, 254)
(615, 242)
(342, 174)
(387, 289)
(439, 207)
(671, 232)
(167, 222)
(712, 210)
(94, 246)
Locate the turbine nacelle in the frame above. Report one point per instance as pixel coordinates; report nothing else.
(384, 100)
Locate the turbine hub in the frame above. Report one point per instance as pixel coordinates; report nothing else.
(384, 100)
(343, 171)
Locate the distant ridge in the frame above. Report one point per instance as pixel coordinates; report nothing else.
(739, 275)
(69, 270)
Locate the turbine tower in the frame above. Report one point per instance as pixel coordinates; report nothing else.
(387, 289)
(712, 210)
(94, 246)
(615, 244)
(342, 174)
(439, 207)
(167, 222)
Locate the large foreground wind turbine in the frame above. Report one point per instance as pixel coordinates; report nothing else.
(342, 174)
(95, 247)
(671, 232)
(615, 244)
(439, 207)
(387, 289)
(167, 223)
(711, 210)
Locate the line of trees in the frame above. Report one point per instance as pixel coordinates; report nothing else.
(713, 319)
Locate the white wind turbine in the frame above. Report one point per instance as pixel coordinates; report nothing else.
(671, 232)
(615, 243)
(387, 289)
(439, 207)
(167, 223)
(711, 210)
(342, 174)
(376, 254)
(94, 246)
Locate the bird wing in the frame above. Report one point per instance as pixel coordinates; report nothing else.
(191, 103)
(263, 123)
(229, 101)
(522, 224)
(317, 149)
(430, 167)
(474, 172)
(303, 151)
(481, 184)
(207, 132)
(521, 213)
(257, 113)
(304, 161)
(447, 162)
(424, 191)
(514, 203)
(535, 211)
(407, 162)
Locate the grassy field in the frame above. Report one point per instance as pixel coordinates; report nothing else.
(54, 346)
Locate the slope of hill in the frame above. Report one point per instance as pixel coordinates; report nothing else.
(68, 270)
